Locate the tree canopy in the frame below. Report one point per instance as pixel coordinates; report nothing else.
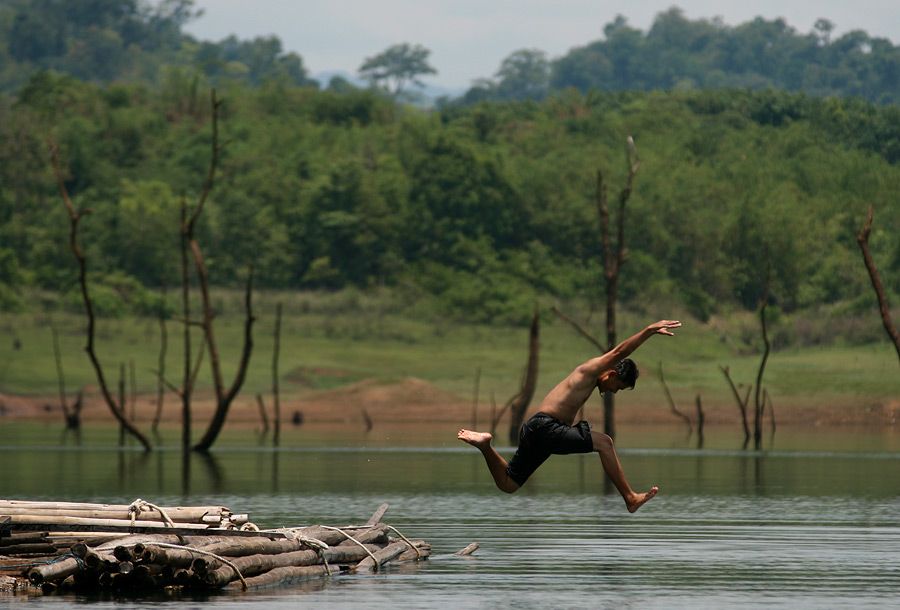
(397, 66)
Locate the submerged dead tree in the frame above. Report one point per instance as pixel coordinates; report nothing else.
(224, 395)
(761, 396)
(614, 256)
(71, 414)
(760, 403)
(518, 404)
(161, 359)
(863, 238)
(116, 408)
(276, 392)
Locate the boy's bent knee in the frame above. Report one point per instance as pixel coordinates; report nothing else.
(601, 441)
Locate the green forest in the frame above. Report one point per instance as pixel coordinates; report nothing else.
(476, 209)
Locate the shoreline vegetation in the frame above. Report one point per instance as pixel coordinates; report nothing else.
(357, 364)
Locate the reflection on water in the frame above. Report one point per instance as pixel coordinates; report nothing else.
(800, 525)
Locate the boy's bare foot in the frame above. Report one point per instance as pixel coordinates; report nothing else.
(476, 439)
(639, 499)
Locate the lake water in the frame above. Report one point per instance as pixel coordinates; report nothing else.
(811, 521)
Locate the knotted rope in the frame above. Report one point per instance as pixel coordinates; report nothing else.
(135, 508)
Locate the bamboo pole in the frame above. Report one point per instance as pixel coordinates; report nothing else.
(373, 562)
(64, 520)
(29, 548)
(256, 564)
(468, 549)
(177, 517)
(176, 513)
(178, 558)
(421, 551)
(280, 576)
(57, 570)
(23, 538)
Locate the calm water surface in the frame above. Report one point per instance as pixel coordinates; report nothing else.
(811, 521)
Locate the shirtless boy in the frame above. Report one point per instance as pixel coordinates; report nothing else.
(552, 430)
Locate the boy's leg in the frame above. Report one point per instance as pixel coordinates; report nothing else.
(496, 463)
(604, 446)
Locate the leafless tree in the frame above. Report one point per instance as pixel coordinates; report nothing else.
(761, 396)
(224, 395)
(116, 408)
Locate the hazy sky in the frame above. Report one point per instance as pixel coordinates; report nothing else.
(469, 39)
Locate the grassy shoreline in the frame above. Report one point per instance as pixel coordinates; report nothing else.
(323, 352)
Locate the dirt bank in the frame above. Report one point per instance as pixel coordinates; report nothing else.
(412, 399)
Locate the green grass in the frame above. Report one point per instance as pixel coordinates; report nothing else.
(362, 340)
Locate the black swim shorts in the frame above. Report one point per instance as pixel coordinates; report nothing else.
(543, 436)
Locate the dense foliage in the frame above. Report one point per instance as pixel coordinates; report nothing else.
(129, 40)
(482, 208)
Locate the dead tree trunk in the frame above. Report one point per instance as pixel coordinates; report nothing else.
(224, 396)
(863, 238)
(700, 419)
(614, 256)
(276, 397)
(161, 360)
(759, 402)
(118, 410)
(518, 404)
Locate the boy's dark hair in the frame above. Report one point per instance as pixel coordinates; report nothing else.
(627, 372)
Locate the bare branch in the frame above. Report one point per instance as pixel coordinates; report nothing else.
(742, 404)
(887, 320)
(213, 162)
(671, 402)
(581, 331)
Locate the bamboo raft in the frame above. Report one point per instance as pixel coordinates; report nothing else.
(64, 546)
